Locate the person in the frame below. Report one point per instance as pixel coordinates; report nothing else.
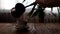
(17, 12)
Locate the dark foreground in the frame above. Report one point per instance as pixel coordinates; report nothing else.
(40, 28)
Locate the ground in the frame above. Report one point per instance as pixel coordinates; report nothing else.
(40, 28)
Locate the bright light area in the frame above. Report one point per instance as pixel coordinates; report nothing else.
(8, 4)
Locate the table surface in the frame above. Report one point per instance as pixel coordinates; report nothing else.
(40, 28)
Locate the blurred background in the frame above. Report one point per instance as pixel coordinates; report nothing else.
(7, 5)
(8, 23)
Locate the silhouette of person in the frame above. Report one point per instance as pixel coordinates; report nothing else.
(17, 12)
